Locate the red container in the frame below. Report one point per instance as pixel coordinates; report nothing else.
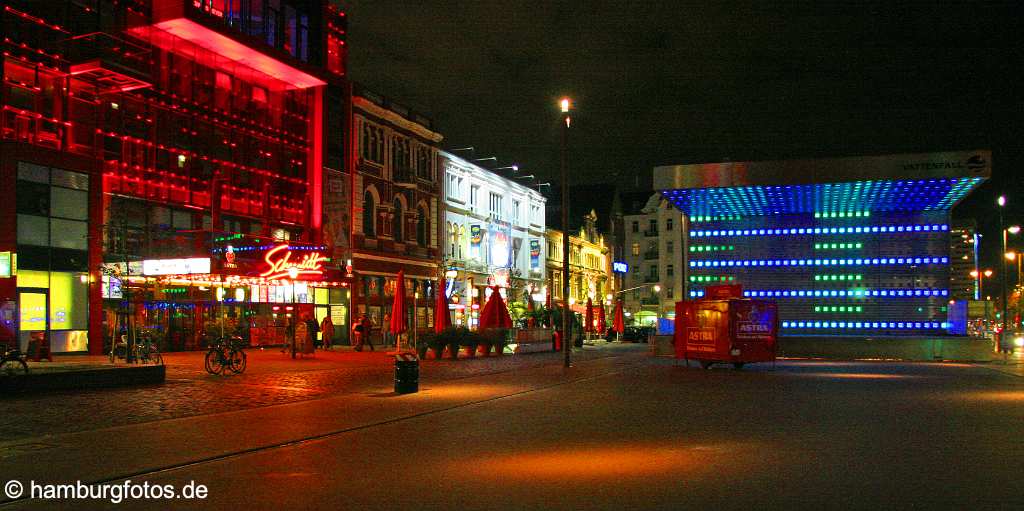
(734, 330)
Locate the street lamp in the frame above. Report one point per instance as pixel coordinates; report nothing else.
(564, 103)
(1001, 201)
(515, 168)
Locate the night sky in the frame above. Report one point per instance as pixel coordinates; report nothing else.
(689, 82)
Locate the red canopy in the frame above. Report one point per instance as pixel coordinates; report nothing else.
(442, 319)
(601, 327)
(495, 313)
(619, 323)
(397, 325)
(589, 325)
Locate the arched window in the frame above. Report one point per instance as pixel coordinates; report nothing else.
(396, 228)
(422, 226)
(369, 212)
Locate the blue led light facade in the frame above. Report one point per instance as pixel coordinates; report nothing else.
(865, 253)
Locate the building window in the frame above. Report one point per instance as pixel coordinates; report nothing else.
(371, 146)
(669, 270)
(474, 197)
(668, 292)
(424, 163)
(398, 221)
(652, 272)
(515, 211)
(669, 247)
(369, 212)
(496, 206)
(636, 226)
(653, 229)
(668, 224)
(636, 247)
(422, 227)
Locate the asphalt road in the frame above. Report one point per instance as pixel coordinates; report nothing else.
(625, 432)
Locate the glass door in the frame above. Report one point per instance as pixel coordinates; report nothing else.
(33, 314)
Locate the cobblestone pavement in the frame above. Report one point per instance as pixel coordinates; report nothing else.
(271, 378)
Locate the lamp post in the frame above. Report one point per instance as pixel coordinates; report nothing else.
(564, 103)
(1001, 201)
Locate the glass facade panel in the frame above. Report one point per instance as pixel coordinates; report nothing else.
(33, 230)
(69, 234)
(71, 204)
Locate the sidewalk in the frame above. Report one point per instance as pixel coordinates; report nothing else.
(271, 378)
(123, 451)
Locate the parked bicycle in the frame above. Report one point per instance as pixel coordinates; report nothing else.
(226, 354)
(143, 351)
(13, 368)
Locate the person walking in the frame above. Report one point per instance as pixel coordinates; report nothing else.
(327, 331)
(385, 330)
(364, 328)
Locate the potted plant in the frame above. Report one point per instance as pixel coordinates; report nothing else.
(485, 343)
(425, 341)
(500, 340)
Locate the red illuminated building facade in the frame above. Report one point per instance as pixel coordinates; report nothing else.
(166, 165)
(395, 209)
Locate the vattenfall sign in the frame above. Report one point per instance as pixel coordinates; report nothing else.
(975, 163)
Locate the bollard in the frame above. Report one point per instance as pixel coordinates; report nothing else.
(407, 373)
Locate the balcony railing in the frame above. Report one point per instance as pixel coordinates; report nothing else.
(651, 254)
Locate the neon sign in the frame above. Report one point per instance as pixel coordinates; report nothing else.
(280, 264)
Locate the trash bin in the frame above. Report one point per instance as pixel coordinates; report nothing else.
(407, 373)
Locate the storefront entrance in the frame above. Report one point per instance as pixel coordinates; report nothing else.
(34, 314)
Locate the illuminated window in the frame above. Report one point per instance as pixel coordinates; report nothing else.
(636, 249)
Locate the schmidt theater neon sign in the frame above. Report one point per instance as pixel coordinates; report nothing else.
(281, 265)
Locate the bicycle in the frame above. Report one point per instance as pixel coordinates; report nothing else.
(146, 350)
(226, 354)
(13, 369)
(143, 350)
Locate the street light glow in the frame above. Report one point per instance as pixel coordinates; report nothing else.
(988, 273)
(1001, 200)
(565, 105)
(1011, 256)
(657, 288)
(1013, 229)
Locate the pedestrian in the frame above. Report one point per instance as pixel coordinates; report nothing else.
(327, 331)
(357, 334)
(385, 330)
(311, 330)
(364, 327)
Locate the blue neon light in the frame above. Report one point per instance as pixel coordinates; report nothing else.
(826, 199)
(855, 293)
(823, 262)
(854, 325)
(850, 293)
(823, 230)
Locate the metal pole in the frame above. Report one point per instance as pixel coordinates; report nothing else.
(566, 314)
(1002, 261)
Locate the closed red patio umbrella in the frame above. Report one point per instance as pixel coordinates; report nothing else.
(619, 322)
(495, 312)
(589, 325)
(397, 324)
(601, 327)
(442, 319)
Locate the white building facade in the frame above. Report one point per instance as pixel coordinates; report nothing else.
(654, 246)
(493, 235)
